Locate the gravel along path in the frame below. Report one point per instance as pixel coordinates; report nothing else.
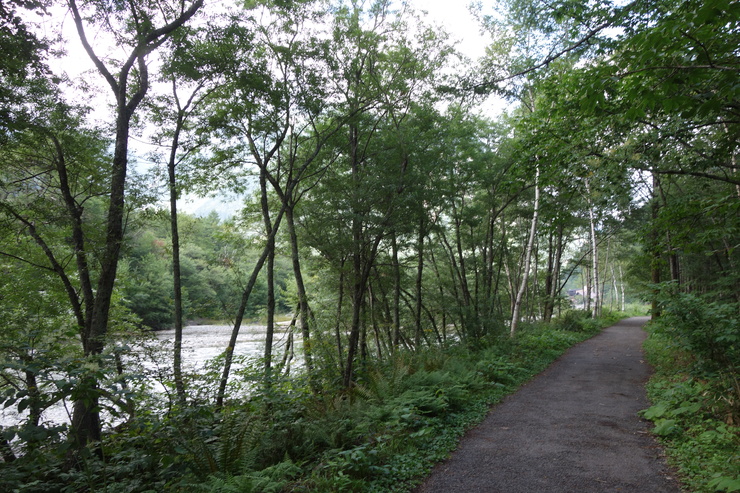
(574, 428)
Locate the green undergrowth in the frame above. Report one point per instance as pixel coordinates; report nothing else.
(401, 417)
(695, 412)
(384, 434)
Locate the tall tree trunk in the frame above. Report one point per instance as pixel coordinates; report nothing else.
(419, 278)
(513, 290)
(361, 270)
(549, 278)
(534, 305)
(602, 288)
(594, 255)
(673, 261)
(440, 288)
(374, 322)
(354, 334)
(475, 297)
(552, 284)
(396, 293)
(338, 323)
(489, 254)
(363, 332)
(461, 301)
(303, 307)
(527, 256)
(270, 322)
(176, 272)
(621, 284)
(85, 426)
(614, 302)
(654, 245)
(358, 293)
(587, 288)
(270, 328)
(229, 353)
(182, 112)
(556, 286)
(462, 272)
(501, 266)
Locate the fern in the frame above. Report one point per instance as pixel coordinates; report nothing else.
(232, 450)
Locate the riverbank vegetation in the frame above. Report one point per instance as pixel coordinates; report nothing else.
(412, 236)
(212, 257)
(383, 434)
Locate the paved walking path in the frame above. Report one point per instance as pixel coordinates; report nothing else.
(573, 429)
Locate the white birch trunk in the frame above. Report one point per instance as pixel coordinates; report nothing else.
(528, 255)
(595, 256)
(621, 283)
(615, 293)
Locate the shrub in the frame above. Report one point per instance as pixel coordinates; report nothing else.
(694, 391)
(572, 320)
(708, 330)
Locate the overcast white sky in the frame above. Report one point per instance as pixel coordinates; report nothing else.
(455, 16)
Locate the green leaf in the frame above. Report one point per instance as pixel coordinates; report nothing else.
(22, 405)
(686, 408)
(655, 411)
(665, 427)
(725, 484)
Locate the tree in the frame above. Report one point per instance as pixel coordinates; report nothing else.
(527, 255)
(532, 35)
(52, 180)
(194, 74)
(24, 77)
(683, 126)
(381, 77)
(129, 83)
(34, 342)
(271, 117)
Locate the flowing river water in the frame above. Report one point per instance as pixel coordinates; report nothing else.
(200, 343)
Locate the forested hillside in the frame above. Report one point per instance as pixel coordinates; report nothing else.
(426, 250)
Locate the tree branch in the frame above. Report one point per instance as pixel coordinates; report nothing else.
(89, 49)
(548, 60)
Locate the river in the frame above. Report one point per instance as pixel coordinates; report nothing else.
(203, 342)
(200, 343)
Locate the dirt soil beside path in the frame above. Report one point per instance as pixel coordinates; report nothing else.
(573, 429)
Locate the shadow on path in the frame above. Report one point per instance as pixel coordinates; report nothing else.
(574, 428)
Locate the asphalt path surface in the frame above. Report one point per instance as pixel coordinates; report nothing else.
(574, 428)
